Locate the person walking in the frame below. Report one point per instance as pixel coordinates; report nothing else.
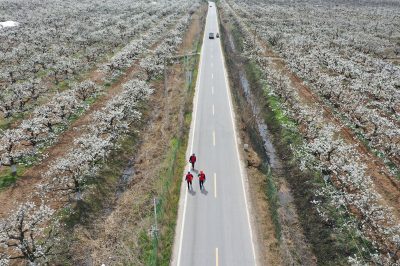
(192, 160)
(202, 179)
(189, 178)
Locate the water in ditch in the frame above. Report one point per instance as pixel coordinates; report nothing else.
(125, 178)
(261, 126)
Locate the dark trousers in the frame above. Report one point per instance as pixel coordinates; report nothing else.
(189, 184)
(201, 184)
(192, 164)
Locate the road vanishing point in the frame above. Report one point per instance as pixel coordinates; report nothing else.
(214, 225)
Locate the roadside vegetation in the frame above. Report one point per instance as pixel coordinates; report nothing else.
(157, 246)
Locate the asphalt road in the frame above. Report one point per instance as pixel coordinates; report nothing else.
(213, 225)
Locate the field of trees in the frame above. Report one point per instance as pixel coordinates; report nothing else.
(332, 69)
(82, 63)
(76, 78)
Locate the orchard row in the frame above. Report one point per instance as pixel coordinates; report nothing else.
(150, 31)
(349, 190)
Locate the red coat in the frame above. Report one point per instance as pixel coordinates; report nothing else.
(192, 159)
(202, 177)
(189, 177)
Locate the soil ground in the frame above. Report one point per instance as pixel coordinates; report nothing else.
(115, 235)
(385, 184)
(25, 185)
(268, 244)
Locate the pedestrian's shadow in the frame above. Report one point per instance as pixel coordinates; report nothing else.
(192, 192)
(204, 191)
(195, 171)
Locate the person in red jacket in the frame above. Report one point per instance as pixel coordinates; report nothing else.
(202, 179)
(192, 160)
(189, 178)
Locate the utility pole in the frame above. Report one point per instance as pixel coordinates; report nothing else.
(155, 226)
(165, 76)
(187, 71)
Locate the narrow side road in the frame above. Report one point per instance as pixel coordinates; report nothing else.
(214, 224)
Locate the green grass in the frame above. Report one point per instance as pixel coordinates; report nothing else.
(63, 85)
(238, 39)
(148, 246)
(42, 73)
(272, 195)
(7, 180)
(158, 251)
(5, 123)
(6, 177)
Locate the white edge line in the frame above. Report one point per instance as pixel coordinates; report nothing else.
(181, 222)
(242, 174)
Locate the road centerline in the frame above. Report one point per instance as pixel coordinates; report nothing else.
(229, 229)
(228, 89)
(214, 138)
(215, 185)
(216, 257)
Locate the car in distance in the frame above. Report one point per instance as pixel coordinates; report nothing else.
(211, 35)
(217, 35)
